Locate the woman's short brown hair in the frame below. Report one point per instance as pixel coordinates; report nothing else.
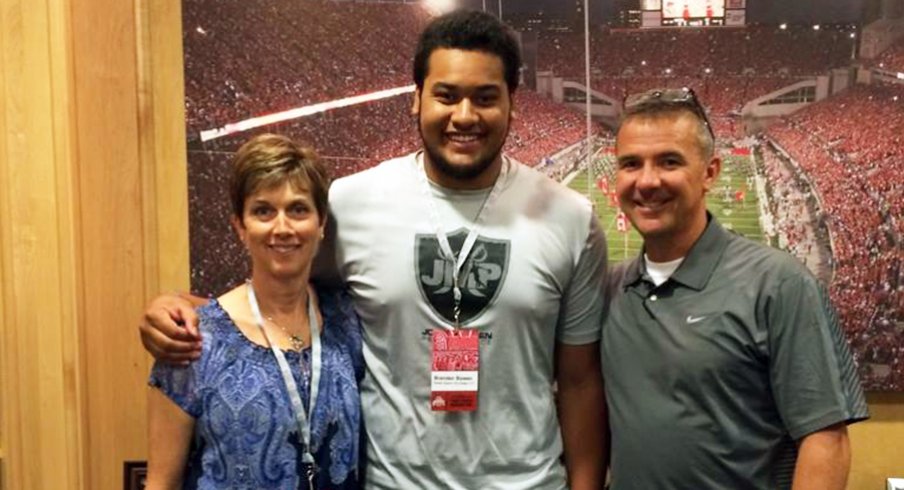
(269, 160)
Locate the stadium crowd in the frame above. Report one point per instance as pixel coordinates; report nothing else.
(892, 59)
(256, 57)
(723, 96)
(353, 138)
(543, 127)
(850, 146)
(791, 203)
(726, 67)
(235, 70)
(755, 50)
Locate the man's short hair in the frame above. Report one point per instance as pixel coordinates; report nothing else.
(469, 30)
(660, 101)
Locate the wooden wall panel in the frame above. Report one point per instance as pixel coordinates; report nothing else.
(878, 444)
(106, 102)
(42, 410)
(4, 213)
(162, 139)
(130, 127)
(93, 222)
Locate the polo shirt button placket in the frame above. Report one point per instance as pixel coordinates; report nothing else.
(653, 297)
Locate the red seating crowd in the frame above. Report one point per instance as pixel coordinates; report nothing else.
(252, 57)
(852, 147)
(892, 59)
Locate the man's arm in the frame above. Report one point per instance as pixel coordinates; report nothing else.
(169, 329)
(823, 460)
(582, 414)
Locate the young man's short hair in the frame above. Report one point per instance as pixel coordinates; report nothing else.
(469, 30)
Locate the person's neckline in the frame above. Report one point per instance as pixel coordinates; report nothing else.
(505, 168)
(258, 347)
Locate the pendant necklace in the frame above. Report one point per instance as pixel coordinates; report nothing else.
(296, 340)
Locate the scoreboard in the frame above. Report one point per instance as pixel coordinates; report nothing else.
(694, 13)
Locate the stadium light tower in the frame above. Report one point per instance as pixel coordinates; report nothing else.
(853, 46)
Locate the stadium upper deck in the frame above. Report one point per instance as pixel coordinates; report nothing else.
(757, 50)
(892, 59)
(723, 96)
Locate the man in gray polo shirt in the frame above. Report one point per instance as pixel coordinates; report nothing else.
(725, 366)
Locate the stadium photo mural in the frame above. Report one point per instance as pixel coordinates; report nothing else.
(813, 156)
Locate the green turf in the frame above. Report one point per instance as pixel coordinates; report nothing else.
(741, 217)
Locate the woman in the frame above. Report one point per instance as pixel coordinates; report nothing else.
(266, 342)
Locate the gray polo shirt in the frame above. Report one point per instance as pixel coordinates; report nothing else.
(712, 376)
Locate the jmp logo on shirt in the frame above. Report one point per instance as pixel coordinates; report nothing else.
(480, 279)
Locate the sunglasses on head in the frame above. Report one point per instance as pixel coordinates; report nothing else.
(681, 97)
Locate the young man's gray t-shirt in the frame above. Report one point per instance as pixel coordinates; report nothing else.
(535, 278)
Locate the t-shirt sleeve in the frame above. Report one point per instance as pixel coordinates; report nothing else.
(812, 372)
(183, 384)
(324, 270)
(583, 305)
(347, 327)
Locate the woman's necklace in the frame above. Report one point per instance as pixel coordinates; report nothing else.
(296, 340)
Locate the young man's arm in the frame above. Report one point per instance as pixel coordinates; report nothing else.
(823, 460)
(169, 328)
(582, 414)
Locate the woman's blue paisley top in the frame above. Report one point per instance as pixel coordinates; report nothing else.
(245, 431)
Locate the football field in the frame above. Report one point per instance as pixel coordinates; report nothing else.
(733, 202)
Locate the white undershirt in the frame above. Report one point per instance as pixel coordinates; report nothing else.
(660, 272)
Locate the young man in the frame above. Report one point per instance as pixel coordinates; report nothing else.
(725, 366)
(457, 239)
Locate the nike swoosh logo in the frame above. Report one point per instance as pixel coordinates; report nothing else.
(695, 319)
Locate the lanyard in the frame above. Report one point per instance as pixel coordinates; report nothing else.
(301, 417)
(458, 261)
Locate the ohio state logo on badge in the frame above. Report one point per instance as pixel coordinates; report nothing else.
(481, 277)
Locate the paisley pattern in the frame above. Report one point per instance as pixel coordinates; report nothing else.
(245, 432)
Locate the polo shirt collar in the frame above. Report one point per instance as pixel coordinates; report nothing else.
(704, 256)
(699, 263)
